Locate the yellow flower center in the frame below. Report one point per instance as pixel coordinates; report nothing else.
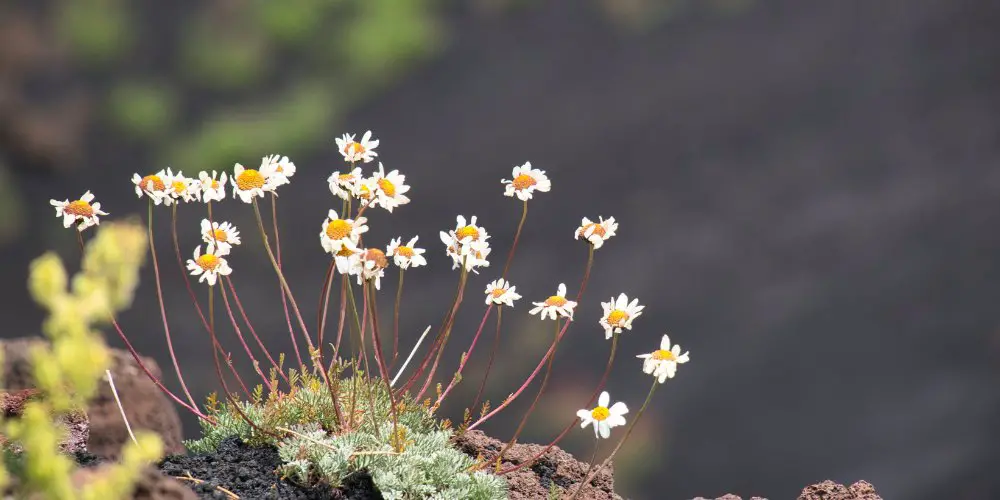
(155, 179)
(338, 229)
(555, 301)
(208, 262)
(215, 184)
(249, 179)
(364, 193)
(617, 317)
(523, 181)
(358, 147)
(598, 229)
(600, 413)
(498, 292)
(377, 256)
(470, 231)
(279, 169)
(387, 187)
(79, 208)
(345, 178)
(180, 187)
(663, 355)
(345, 252)
(220, 235)
(404, 251)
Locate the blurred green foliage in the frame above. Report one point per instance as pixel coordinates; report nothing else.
(96, 31)
(146, 110)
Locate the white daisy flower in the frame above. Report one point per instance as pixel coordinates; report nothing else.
(556, 305)
(619, 314)
(406, 255)
(80, 211)
(348, 258)
(277, 170)
(209, 265)
(390, 188)
(337, 232)
(525, 181)
(662, 363)
(371, 265)
(183, 188)
(603, 417)
(154, 186)
(467, 242)
(223, 235)
(212, 189)
(248, 183)
(366, 190)
(354, 151)
(597, 232)
(344, 186)
(501, 293)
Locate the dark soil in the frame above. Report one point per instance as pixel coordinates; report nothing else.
(251, 472)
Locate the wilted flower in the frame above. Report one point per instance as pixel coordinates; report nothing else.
(501, 293)
(556, 305)
(372, 264)
(344, 185)
(406, 255)
(337, 232)
(597, 232)
(212, 189)
(248, 183)
(154, 186)
(209, 265)
(662, 363)
(354, 151)
(80, 211)
(390, 188)
(619, 314)
(222, 235)
(603, 417)
(526, 181)
(277, 169)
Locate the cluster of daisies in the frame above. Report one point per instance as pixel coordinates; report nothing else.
(342, 237)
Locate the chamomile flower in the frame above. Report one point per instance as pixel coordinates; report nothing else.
(337, 232)
(155, 186)
(371, 266)
(406, 255)
(248, 183)
(81, 211)
(662, 363)
(277, 170)
(467, 243)
(209, 265)
(223, 235)
(597, 232)
(501, 293)
(390, 188)
(354, 151)
(183, 188)
(212, 189)
(619, 314)
(344, 185)
(525, 181)
(603, 417)
(555, 306)
(348, 258)
(366, 190)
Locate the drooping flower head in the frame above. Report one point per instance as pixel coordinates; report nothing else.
(619, 313)
(183, 188)
(277, 169)
(81, 211)
(390, 188)
(597, 232)
(348, 259)
(344, 185)
(337, 232)
(210, 265)
(249, 183)
(525, 181)
(603, 417)
(372, 264)
(212, 189)
(556, 306)
(501, 293)
(155, 186)
(467, 243)
(222, 235)
(355, 151)
(662, 363)
(406, 255)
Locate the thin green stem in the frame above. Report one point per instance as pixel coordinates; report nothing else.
(395, 320)
(394, 440)
(517, 236)
(628, 432)
(489, 364)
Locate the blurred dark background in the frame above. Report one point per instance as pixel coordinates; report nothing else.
(808, 192)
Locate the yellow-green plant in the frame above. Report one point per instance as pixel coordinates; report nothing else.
(68, 371)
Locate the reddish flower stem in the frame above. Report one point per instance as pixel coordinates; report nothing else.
(246, 320)
(239, 334)
(281, 284)
(465, 358)
(489, 364)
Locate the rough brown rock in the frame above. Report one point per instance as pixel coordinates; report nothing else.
(555, 467)
(76, 423)
(829, 490)
(152, 485)
(145, 406)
